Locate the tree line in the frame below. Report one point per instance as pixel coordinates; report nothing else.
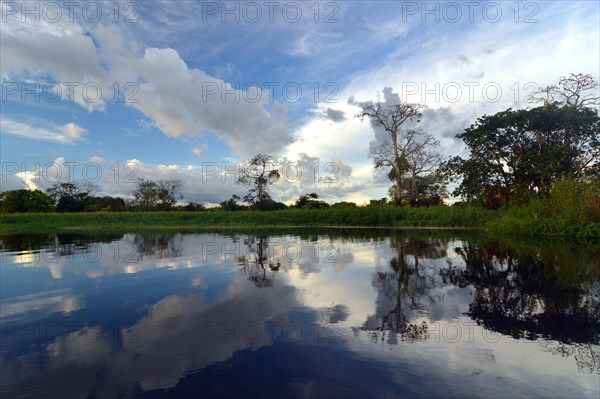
(514, 156)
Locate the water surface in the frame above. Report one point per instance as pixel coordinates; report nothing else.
(297, 314)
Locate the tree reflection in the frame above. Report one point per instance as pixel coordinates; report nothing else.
(404, 291)
(162, 246)
(529, 294)
(252, 262)
(66, 245)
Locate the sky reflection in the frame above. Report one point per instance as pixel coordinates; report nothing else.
(158, 314)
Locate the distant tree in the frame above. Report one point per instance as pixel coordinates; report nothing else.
(393, 153)
(69, 203)
(145, 193)
(25, 201)
(192, 207)
(161, 194)
(231, 204)
(270, 205)
(310, 201)
(382, 201)
(106, 203)
(76, 190)
(344, 204)
(168, 192)
(258, 174)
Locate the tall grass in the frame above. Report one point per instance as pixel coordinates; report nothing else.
(372, 216)
(572, 211)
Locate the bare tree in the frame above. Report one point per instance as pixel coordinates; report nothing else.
(421, 159)
(418, 157)
(392, 118)
(258, 174)
(576, 89)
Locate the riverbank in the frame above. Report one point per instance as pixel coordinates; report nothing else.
(517, 222)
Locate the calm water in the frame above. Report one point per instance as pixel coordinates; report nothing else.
(303, 314)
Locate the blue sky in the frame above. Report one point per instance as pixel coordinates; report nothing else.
(184, 86)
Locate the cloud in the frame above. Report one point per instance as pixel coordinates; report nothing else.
(334, 115)
(66, 134)
(178, 99)
(74, 132)
(187, 101)
(197, 151)
(62, 51)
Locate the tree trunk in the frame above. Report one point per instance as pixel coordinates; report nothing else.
(398, 198)
(398, 169)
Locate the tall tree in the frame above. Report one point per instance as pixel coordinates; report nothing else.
(418, 158)
(392, 118)
(516, 154)
(258, 174)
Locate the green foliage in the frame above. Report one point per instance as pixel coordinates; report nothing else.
(269, 205)
(310, 201)
(517, 155)
(191, 207)
(69, 203)
(104, 204)
(371, 216)
(77, 190)
(231, 204)
(571, 211)
(344, 204)
(25, 201)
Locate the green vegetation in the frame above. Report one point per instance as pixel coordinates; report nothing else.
(371, 216)
(572, 211)
(516, 157)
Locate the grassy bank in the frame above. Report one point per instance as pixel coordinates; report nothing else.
(571, 212)
(538, 219)
(377, 216)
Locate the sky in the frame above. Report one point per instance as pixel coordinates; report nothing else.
(109, 92)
